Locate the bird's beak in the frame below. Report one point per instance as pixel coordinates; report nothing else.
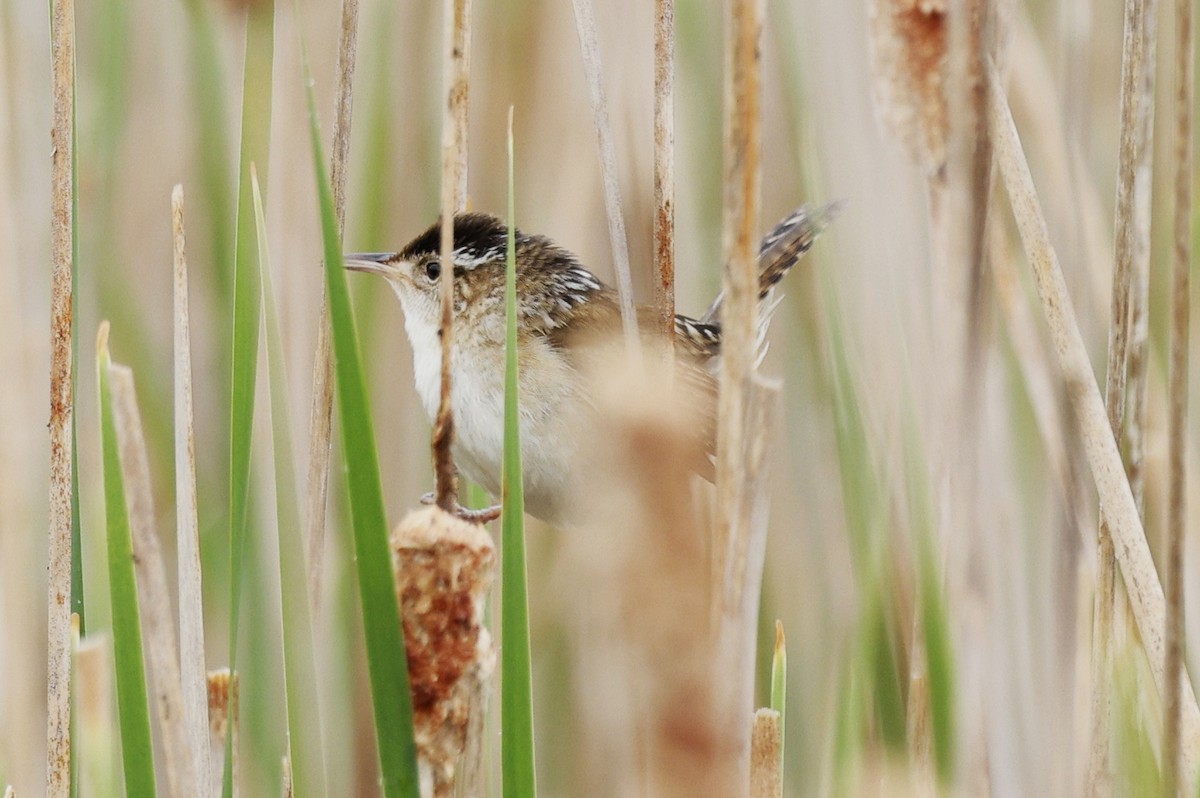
(385, 264)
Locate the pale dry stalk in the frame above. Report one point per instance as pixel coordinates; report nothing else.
(585, 23)
(62, 403)
(1174, 706)
(1116, 499)
(321, 414)
(664, 170)
(766, 755)
(222, 698)
(154, 595)
(94, 703)
(444, 568)
(192, 668)
(456, 69)
(1114, 397)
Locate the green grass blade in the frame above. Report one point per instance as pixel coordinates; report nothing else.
(386, 658)
(516, 670)
(133, 704)
(256, 134)
(779, 682)
(305, 751)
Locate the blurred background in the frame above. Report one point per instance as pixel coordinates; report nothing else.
(860, 332)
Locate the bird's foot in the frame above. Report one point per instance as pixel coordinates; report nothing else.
(481, 516)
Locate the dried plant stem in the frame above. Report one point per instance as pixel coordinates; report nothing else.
(739, 313)
(191, 605)
(664, 169)
(585, 23)
(321, 416)
(766, 755)
(1178, 398)
(456, 67)
(222, 722)
(62, 403)
(154, 595)
(1114, 397)
(1116, 499)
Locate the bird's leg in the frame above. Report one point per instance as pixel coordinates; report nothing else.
(482, 516)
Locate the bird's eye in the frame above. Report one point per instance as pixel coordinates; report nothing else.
(433, 270)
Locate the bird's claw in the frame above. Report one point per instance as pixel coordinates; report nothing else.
(481, 516)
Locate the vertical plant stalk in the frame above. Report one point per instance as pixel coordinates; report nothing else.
(585, 23)
(222, 723)
(766, 755)
(1177, 401)
(321, 415)
(739, 285)
(664, 170)
(1116, 499)
(62, 404)
(1118, 352)
(456, 67)
(192, 667)
(154, 595)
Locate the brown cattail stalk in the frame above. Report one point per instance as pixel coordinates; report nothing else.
(154, 595)
(444, 568)
(191, 605)
(222, 701)
(664, 168)
(321, 416)
(1177, 415)
(456, 67)
(766, 755)
(1116, 499)
(585, 23)
(62, 403)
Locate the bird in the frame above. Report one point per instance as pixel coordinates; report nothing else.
(564, 311)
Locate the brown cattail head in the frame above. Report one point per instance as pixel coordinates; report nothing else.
(444, 568)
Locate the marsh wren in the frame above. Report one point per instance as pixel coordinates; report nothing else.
(563, 312)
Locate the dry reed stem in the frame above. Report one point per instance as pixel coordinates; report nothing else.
(62, 403)
(191, 596)
(1116, 499)
(1137, 379)
(1118, 355)
(222, 697)
(287, 790)
(444, 567)
(585, 23)
(766, 755)
(456, 67)
(1178, 399)
(664, 170)
(154, 594)
(321, 414)
(9, 792)
(94, 703)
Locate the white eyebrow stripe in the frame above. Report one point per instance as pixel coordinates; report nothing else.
(468, 259)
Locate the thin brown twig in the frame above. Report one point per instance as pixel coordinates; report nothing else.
(766, 755)
(585, 23)
(321, 415)
(456, 67)
(664, 169)
(191, 606)
(1116, 499)
(62, 403)
(1178, 398)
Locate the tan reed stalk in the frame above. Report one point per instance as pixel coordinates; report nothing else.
(1116, 499)
(1114, 397)
(739, 314)
(1178, 399)
(62, 403)
(9, 792)
(456, 68)
(585, 23)
(94, 704)
(287, 790)
(444, 568)
(766, 755)
(1138, 377)
(321, 414)
(664, 169)
(154, 594)
(192, 668)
